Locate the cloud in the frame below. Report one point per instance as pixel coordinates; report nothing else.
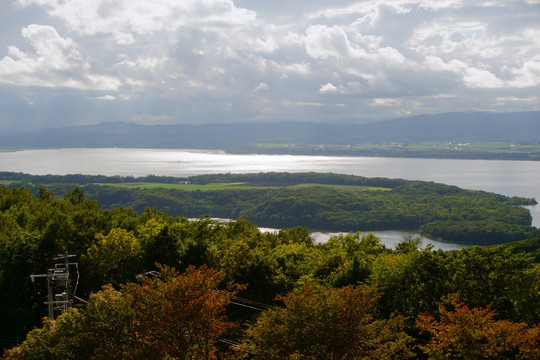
(125, 19)
(261, 87)
(531, 100)
(328, 88)
(290, 103)
(56, 61)
(479, 78)
(323, 42)
(357, 57)
(369, 12)
(440, 4)
(386, 102)
(528, 75)
(106, 97)
(145, 118)
(233, 60)
(109, 97)
(448, 38)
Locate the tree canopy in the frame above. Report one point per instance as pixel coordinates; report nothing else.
(295, 297)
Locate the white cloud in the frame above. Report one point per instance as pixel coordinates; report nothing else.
(261, 87)
(268, 45)
(285, 69)
(440, 4)
(107, 97)
(386, 102)
(323, 42)
(146, 72)
(357, 55)
(213, 60)
(310, 104)
(531, 100)
(124, 19)
(438, 64)
(369, 11)
(152, 118)
(391, 56)
(400, 106)
(328, 88)
(448, 36)
(528, 75)
(56, 61)
(479, 78)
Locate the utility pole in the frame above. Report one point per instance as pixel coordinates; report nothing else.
(58, 290)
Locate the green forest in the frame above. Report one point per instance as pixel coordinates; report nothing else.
(328, 202)
(227, 291)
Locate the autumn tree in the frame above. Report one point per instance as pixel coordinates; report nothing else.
(173, 316)
(465, 333)
(320, 323)
(181, 316)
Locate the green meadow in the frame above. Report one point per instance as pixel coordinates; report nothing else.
(238, 186)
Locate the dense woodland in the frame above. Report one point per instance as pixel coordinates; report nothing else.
(230, 291)
(434, 210)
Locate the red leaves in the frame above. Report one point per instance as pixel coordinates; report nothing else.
(175, 316)
(475, 334)
(181, 315)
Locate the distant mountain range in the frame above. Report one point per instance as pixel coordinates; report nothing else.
(469, 126)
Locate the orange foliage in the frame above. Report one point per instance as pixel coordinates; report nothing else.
(466, 333)
(320, 323)
(180, 316)
(174, 316)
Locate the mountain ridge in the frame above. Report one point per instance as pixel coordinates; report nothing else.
(467, 126)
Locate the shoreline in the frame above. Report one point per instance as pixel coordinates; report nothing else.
(389, 238)
(369, 153)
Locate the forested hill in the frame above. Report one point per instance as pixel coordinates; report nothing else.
(471, 126)
(317, 201)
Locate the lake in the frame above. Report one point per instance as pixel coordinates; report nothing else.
(513, 178)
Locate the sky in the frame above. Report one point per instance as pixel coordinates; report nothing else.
(76, 62)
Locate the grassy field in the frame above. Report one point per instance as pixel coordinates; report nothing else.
(222, 186)
(8, 182)
(236, 186)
